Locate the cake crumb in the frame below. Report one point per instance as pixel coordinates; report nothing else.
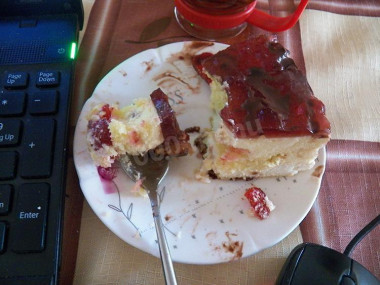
(168, 217)
(318, 171)
(200, 144)
(202, 178)
(194, 129)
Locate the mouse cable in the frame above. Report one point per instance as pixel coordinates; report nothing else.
(366, 230)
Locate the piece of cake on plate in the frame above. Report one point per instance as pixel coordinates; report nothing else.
(266, 120)
(148, 124)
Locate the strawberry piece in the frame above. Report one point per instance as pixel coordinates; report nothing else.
(256, 198)
(108, 173)
(106, 112)
(100, 133)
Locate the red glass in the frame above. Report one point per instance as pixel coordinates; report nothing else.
(212, 19)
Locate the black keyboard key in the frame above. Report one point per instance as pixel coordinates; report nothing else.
(37, 148)
(3, 228)
(16, 80)
(5, 198)
(12, 103)
(8, 165)
(9, 131)
(29, 231)
(48, 79)
(43, 102)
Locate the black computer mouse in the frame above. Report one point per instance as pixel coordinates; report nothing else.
(312, 264)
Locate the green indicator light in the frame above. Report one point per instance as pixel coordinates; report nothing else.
(73, 50)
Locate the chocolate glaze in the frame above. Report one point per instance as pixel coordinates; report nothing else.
(267, 94)
(233, 247)
(188, 52)
(172, 76)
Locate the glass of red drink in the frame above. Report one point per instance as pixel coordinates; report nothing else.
(215, 19)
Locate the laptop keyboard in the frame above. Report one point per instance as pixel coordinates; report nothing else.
(34, 105)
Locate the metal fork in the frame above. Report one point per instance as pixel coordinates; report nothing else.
(151, 170)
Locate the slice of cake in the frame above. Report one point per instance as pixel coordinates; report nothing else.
(266, 121)
(148, 124)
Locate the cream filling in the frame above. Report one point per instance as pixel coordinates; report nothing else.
(262, 146)
(259, 157)
(136, 128)
(269, 203)
(219, 96)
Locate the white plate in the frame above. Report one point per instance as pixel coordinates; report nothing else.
(205, 223)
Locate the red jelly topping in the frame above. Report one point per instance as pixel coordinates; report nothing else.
(267, 93)
(256, 198)
(197, 63)
(176, 141)
(169, 124)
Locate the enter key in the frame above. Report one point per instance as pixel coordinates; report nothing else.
(29, 231)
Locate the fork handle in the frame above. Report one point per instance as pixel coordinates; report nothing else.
(166, 259)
